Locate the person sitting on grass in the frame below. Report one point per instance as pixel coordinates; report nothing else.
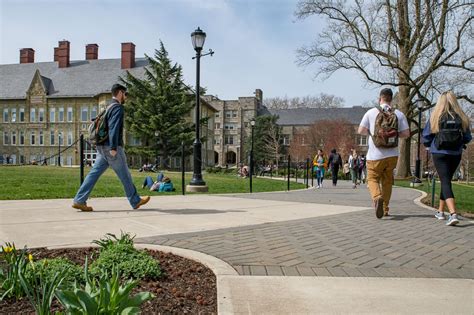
(162, 183)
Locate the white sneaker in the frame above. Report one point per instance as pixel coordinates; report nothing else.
(318, 187)
(440, 215)
(453, 220)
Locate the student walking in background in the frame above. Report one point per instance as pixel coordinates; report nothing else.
(446, 134)
(385, 126)
(354, 168)
(320, 164)
(335, 162)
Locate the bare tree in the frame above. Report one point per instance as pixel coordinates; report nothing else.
(322, 100)
(332, 134)
(420, 47)
(272, 142)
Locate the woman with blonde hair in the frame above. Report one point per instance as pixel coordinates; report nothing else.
(446, 134)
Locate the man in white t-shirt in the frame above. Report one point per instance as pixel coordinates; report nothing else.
(382, 161)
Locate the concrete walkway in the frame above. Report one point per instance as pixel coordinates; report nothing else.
(310, 251)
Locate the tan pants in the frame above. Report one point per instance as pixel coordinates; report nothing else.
(380, 173)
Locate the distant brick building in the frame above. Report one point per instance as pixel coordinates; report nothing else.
(47, 105)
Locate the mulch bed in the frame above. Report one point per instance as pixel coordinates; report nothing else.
(186, 287)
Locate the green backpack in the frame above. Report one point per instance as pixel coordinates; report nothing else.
(99, 128)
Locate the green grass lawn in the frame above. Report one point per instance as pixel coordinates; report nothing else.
(50, 182)
(463, 193)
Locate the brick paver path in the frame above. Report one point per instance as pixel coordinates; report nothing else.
(410, 243)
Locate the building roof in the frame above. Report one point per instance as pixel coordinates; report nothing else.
(83, 78)
(307, 116)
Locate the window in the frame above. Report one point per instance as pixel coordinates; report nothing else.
(61, 114)
(234, 114)
(52, 114)
(22, 137)
(69, 138)
(5, 115)
(33, 115)
(41, 138)
(51, 139)
(94, 112)
(229, 140)
(228, 114)
(14, 137)
(217, 126)
(32, 138)
(217, 115)
(41, 115)
(13, 114)
(286, 139)
(69, 114)
(22, 114)
(229, 126)
(362, 140)
(6, 138)
(217, 140)
(84, 113)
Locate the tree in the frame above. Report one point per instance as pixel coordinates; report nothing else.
(323, 100)
(267, 139)
(157, 107)
(420, 47)
(332, 134)
(300, 148)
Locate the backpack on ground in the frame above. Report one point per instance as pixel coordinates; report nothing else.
(450, 135)
(99, 127)
(386, 129)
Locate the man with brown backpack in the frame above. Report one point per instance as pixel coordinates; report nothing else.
(385, 125)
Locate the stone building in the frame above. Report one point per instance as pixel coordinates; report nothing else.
(232, 126)
(46, 106)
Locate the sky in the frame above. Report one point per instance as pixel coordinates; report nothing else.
(254, 41)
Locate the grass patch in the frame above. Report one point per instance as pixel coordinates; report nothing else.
(463, 193)
(52, 182)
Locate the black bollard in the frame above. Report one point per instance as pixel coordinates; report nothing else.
(182, 169)
(307, 173)
(288, 172)
(81, 156)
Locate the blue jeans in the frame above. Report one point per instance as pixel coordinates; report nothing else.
(320, 176)
(119, 164)
(148, 182)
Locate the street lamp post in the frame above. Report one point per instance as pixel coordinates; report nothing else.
(252, 125)
(197, 183)
(157, 135)
(419, 105)
(59, 149)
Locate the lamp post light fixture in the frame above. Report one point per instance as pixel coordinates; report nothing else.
(252, 125)
(197, 183)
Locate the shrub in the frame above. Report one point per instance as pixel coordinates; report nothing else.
(130, 262)
(111, 239)
(48, 268)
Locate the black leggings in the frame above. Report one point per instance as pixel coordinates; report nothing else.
(446, 165)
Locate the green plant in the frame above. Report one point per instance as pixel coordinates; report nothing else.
(40, 288)
(48, 268)
(130, 262)
(111, 239)
(15, 264)
(103, 296)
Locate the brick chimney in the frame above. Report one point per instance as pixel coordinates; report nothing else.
(92, 52)
(128, 55)
(63, 54)
(27, 55)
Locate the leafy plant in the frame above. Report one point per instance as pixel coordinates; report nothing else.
(48, 268)
(40, 288)
(130, 262)
(103, 296)
(110, 239)
(15, 264)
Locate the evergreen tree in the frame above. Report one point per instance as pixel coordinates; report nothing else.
(157, 106)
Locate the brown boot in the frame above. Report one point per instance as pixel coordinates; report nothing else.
(143, 200)
(82, 207)
(378, 205)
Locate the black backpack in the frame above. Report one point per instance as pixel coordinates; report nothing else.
(335, 159)
(450, 135)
